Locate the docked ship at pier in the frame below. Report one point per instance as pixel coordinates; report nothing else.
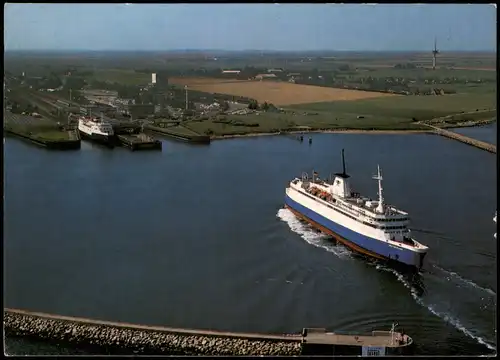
(371, 228)
(96, 129)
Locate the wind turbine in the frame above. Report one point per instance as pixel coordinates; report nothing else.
(434, 53)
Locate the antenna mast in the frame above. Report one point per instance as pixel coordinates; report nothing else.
(393, 328)
(380, 207)
(186, 88)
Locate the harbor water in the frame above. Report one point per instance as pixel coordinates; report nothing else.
(487, 133)
(197, 237)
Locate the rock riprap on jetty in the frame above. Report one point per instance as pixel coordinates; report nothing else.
(139, 340)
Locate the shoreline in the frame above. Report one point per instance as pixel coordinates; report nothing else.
(303, 132)
(347, 131)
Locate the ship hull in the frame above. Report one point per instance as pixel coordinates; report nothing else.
(97, 138)
(357, 242)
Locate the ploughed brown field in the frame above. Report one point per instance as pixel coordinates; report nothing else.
(277, 93)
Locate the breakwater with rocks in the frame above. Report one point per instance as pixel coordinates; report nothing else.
(141, 339)
(464, 139)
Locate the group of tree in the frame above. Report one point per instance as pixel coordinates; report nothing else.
(344, 67)
(265, 106)
(268, 107)
(81, 73)
(405, 66)
(124, 91)
(74, 83)
(52, 82)
(224, 106)
(144, 71)
(254, 105)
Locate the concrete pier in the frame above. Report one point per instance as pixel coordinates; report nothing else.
(139, 141)
(39, 131)
(122, 338)
(465, 139)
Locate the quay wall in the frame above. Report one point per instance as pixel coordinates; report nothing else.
(54, 145)
(203, 139)
(139, 142)
(153, 340)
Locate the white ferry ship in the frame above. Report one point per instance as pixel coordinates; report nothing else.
(371, 228)
(96, 129)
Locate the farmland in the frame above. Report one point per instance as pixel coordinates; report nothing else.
(418, 107)
(278, 93)
(395, 113)
(322, 90)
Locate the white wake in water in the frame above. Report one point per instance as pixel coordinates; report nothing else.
(466, 281)
(310, 235)
(446, 317)
(320, 240)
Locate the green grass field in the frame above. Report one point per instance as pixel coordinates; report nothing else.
(270, 122)
(182, 130)
(39, 133)
(406, 107)
(394, 113)
(51, 135)
(36, 128)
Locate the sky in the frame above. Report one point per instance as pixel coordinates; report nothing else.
(280, 27)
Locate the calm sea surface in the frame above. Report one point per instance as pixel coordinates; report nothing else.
(196, 237)
(487, 133)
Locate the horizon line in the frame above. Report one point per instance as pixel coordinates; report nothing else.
(245, 50)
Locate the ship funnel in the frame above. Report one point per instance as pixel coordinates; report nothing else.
(343, 163)
(343, 174)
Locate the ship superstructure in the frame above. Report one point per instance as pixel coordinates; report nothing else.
(96, 129)
(372, 228)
